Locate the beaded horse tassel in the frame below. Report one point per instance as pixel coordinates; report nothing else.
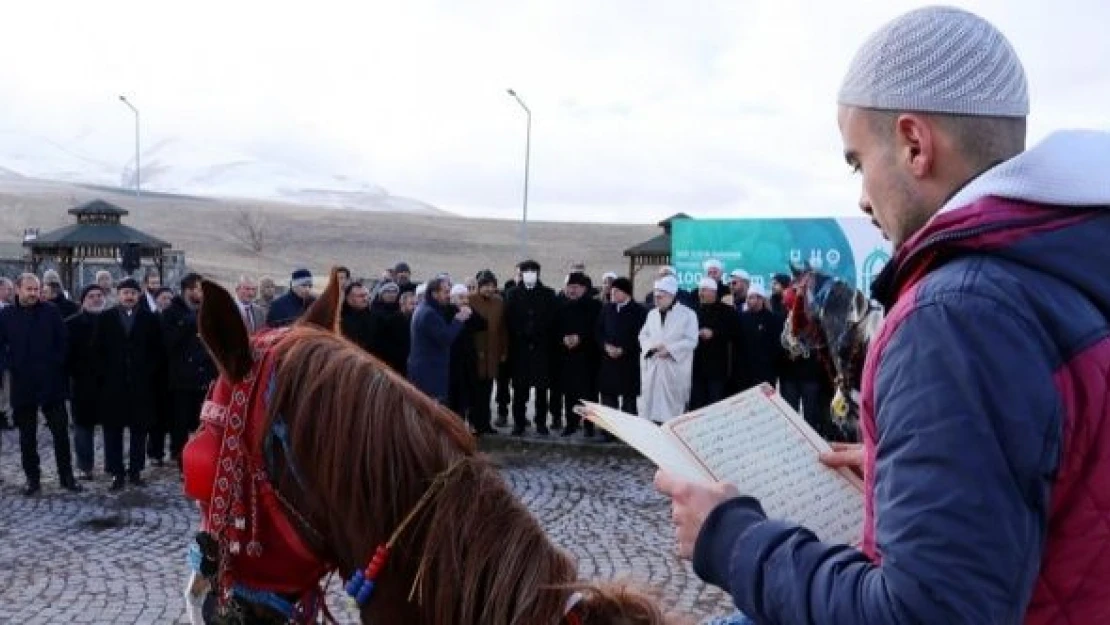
(361, 584)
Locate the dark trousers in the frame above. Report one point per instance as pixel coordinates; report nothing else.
(186, 419)
(624, 403)
(577, 389)
(809, 399)
(57, 421)
(160, 429)
(83, 446)
(113, 450)
(480, 416)
(504, 381)
(521, 391)
(706, 392)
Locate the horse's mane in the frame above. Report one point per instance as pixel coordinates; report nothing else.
(353, 423)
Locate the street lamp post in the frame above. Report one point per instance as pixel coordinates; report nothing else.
(138, 169)
(527, 165)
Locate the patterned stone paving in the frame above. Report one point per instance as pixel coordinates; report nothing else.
(98, 557)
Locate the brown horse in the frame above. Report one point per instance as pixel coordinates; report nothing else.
(836, 321)
(313, 457)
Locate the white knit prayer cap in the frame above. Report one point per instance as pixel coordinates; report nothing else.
(667, 284)
(708, 283)
(938, 60)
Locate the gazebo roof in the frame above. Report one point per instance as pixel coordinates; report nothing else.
(99, 234)
(660, 244)
(98, 225)
(657, 245)
(97, 207)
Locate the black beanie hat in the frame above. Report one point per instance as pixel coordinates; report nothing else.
(624, 285)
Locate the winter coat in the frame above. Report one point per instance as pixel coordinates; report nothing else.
(529, 314)
(579, 366)
(620, 328)
(33, 349)
(128, 395)
(83, 365)
(189, 365)
(392, 335)
(430, 358)
(287, 309)
(492, 344)
(358, 326)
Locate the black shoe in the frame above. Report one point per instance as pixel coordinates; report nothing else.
(569, 431)
(542, 430)
(117, 483)
(86, 476)
(158, 462)
(71, 485)
(137, 480)
(488, 430)
(590, 432)
(518, 432)
(31, 489)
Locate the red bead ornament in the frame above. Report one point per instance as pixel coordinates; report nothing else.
(377, 563)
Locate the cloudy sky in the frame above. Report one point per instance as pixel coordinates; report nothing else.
(642, 108)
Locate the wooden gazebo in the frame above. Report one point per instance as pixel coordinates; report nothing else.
(655, 252)
(98, 235)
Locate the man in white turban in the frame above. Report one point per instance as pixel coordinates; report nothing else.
(667, 341)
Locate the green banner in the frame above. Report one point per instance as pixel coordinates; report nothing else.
(849, 248)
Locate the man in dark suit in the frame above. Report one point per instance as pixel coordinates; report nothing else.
(619, 336)
(190, 367)
(128, 339)
(33, 348)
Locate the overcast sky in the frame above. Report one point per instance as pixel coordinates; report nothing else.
(642, 108)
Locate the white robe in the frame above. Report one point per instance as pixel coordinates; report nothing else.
(666, 381)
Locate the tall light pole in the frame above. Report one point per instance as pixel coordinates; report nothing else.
(527, 165)
(138, 169)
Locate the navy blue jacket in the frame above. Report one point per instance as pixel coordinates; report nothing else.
(985, 415)
(286, 309)
(34, 348)
(430, 357)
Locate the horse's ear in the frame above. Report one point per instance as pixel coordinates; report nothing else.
(223, 332)
(326, 312)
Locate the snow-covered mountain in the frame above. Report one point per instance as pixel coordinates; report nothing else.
(175, 165)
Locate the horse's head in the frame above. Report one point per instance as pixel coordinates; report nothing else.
(314, 457)
(833, 320)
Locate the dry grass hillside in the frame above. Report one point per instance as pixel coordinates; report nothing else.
(223, 238)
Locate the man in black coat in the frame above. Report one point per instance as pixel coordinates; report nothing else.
(190, 367)
(33, 348)
(286, 309)
(529, 314)
(357, 321)
(578, 349)
(392, 337)
(762, 350)
(128, 339)
(618, 333)
(83, 365)
(718, 332)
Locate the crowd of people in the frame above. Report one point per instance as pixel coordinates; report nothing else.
(126, 356)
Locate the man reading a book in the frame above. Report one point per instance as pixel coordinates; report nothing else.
(985, 408)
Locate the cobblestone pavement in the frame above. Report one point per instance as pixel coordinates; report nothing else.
(97, 557)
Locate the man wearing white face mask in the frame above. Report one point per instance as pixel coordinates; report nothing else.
(529, 314)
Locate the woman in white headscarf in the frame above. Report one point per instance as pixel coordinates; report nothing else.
(667, 340)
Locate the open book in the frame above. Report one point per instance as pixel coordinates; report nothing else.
(758, 443)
